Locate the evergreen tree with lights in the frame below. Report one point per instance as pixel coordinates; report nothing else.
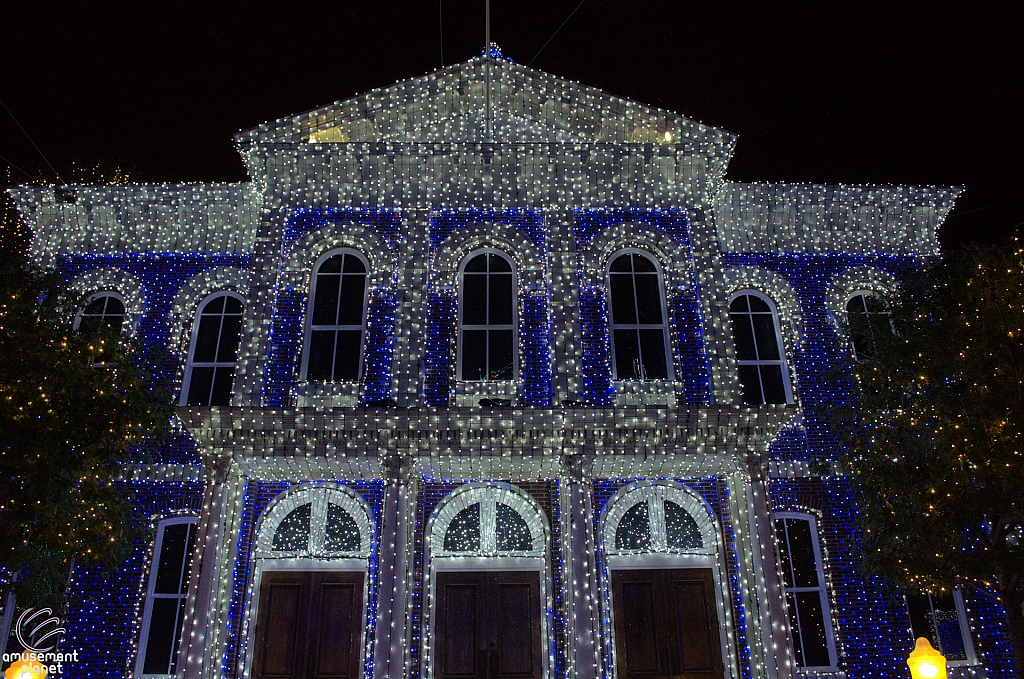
(75, 406)
(935, 444)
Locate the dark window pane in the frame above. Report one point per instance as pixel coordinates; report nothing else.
(463, 534)
(347, 355)
(499, 263)
(227, 350)
(164, 625)
(353, 290)
(321, 356)
(501, 302)
(874, 304)
(641, 263)
(771, 383)
(764, 333)
(96, 306)
(474, 299)
(758, 304)
(812, 630)
(648, 298)
(621, 263)
(172, 553)
(623, 303)
(634, 531)
(743, 334)
(293, 532)
(189, 548)
(739, 304)
(680, 528)
(652, 348)
(223, 381)
(206, 339)
(512, 533)
(947, 628)
(354, 265)
(784, 563)
(199, 387)
(342, 531)
(501, 355)
(627, 355)
(801, 552)
(214, 306)
(750, 382)
(325, 301)
(234, 306)
(478, 263)
(474, 354)
(331, 265)
(855, 305)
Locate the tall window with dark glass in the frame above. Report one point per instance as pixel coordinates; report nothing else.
(487, 319)
(639, 329)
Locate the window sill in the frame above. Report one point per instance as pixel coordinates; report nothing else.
(470, 393)
(326, 394)
(961, 669)
(820, 673)
(647, 392)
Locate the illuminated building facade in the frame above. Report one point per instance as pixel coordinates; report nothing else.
(492, 374)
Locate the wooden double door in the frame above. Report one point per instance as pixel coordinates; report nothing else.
(666, 624)
(309, 625)
(488, 625)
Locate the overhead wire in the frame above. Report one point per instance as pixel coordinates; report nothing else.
(555, 33)
(27, 136)
(17, 168)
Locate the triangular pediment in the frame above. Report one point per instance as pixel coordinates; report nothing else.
(451, 105)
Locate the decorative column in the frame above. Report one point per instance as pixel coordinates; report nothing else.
(760, 571)
(199, 652)
(393, 567)
(581, 583)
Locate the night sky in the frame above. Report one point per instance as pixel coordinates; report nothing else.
(824, 92)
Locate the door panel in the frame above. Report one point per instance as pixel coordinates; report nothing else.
(459, 639)
(279, 633)
(309, 625)
(515, 640)
(666, 624)
(488, 625)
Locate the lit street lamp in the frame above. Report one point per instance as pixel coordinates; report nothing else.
(925, 662)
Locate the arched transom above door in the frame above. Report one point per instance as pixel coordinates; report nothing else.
(488, 520)
(319, 522)
(657, 517)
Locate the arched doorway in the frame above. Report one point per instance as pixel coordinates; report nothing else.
(307, 606)
(488, 586)
(664, 585)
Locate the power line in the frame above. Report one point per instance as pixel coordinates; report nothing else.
(555, 33)
(55, 173)
(17, 168)
(985, 207)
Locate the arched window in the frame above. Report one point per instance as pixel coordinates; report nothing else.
(486, 520)
(759, 357)
(868, 317)
(210, 371)
(803, 576)
(638, 320)
(487, 316)
(337, 319)
(320, 522)
(103, 311)
(654, 517)
(166, 591)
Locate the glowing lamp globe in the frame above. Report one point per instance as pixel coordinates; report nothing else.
(925, 662)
